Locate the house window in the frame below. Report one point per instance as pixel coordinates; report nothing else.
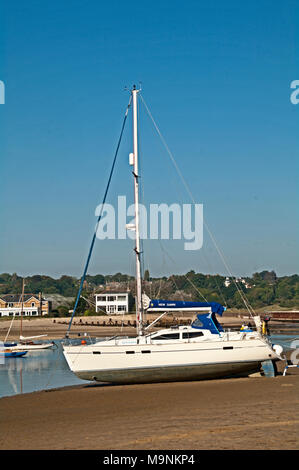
(32, 304)
(121, 298)
(111, 298)
(121, 308)
(111, 309)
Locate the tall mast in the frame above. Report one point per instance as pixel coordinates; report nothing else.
(136, 202)
(22, 307)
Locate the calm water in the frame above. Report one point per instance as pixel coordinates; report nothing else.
(38, 370)
(42, 370)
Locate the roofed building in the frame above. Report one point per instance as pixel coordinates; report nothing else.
(33, 305)
(114, 303)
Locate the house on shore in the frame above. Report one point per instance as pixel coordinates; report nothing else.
(113, 302)
(33, 305)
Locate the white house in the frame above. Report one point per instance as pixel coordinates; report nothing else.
(113, 302)
(228, 282)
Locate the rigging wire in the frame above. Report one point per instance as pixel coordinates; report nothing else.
(164, 251)
(185, 275)
(241, 293)
(99, 217)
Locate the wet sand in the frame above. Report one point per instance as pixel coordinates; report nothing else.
(240, 413)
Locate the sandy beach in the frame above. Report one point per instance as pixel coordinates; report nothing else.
(55, 328)
(240, 413)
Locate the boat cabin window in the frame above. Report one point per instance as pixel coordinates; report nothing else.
(197, 323)
(192, 334)
(168, 336)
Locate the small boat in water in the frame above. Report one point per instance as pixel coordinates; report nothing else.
(29, 345)
(12, 353)
(26, 343)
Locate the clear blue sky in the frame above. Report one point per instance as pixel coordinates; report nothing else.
(216, 75)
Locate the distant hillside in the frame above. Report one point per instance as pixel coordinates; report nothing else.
(262, 289)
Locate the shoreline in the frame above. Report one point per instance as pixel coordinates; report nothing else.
(240, 413)
(56, 328)
(235, 413)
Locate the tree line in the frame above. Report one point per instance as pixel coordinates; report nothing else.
(261, 289)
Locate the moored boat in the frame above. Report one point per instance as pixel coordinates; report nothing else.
(201, 350)
(26, 343)
(12, 353)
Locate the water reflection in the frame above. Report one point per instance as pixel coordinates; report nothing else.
(46, 369)
(38, 370)
(285, 341)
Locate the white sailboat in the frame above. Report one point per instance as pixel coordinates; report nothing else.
(201, 350)
(25, 343)
(28, 343)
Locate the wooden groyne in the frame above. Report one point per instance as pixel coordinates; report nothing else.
(120, 323)
(285, 316)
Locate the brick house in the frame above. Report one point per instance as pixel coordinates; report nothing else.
(33, 305)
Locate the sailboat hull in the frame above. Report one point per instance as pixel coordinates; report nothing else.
(32, 347)
(13, 353)
(164, 363)
(169, 373)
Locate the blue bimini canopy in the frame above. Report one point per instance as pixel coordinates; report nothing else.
(172, 305)
(207, 321)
